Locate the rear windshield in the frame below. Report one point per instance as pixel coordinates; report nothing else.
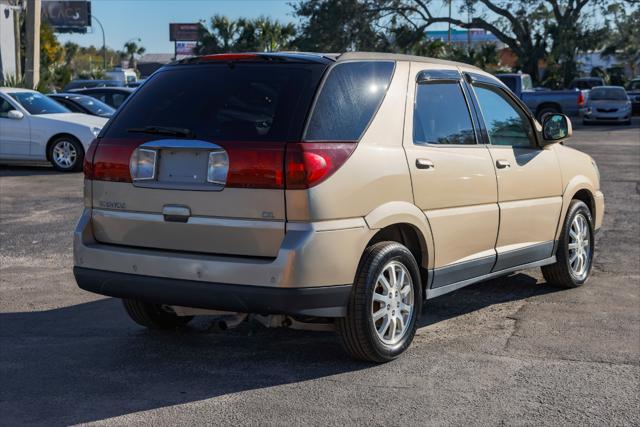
(348, 100)
(237, 102)
(617, 94)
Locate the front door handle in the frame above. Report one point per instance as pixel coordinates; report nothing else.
(424, 164)
(501, 164)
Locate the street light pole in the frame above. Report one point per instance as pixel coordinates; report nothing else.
(104, 45)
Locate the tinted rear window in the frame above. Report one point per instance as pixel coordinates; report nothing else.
(349, 98)
(243, 102)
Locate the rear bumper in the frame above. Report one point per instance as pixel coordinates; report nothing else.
(308, 276)
(327, 301)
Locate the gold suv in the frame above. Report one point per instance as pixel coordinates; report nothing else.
(334, 189)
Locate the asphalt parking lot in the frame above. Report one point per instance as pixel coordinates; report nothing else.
(508, 351)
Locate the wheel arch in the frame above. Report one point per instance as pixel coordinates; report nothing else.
(405, 223)
(544, 105)
(579, 188)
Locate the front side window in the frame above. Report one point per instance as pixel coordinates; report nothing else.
(37, 103)
(5, 107)
(348, 100)
(506, 123)
(441, 115)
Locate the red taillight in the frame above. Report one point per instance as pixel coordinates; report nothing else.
(111, 159)
(268, 165)
(255, 164)
(87, 165)
(310, 163)
(580, 99)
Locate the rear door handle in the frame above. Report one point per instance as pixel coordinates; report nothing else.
(424, 164)
(501, 164)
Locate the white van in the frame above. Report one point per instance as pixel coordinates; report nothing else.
(126, 75)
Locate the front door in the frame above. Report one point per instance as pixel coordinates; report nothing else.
(454, 181)
(529, 179)
(14, 133)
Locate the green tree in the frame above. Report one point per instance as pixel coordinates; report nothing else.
(624, 41)
(526, 27)
(131, 52)
(338, 26)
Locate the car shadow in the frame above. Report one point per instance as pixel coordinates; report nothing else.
(88, 362)
(30, 170)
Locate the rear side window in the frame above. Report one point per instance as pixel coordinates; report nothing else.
(348, 100)
(441, 115)
(222, 102)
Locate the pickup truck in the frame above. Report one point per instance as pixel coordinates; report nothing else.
(540, 102)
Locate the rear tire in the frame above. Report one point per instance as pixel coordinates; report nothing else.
(383, 310)
(152, 316)
(574, 256)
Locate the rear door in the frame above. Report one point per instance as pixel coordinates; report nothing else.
(208, 144)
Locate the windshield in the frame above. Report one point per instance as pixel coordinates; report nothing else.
(634, 85)
(94, 105)
(617, 94)
(37, 103)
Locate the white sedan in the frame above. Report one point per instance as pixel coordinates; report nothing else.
(34, 127)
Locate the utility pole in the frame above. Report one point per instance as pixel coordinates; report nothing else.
(468, 27)
(449, 32)
(104, 45)
(32, 59)
(16, 38)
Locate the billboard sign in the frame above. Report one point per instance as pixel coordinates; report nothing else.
(184, 32)
(184, 49)
(67, 15)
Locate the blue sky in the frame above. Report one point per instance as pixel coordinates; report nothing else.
(149, 20)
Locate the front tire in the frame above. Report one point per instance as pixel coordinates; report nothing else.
(384, 306)
(66, 154)
(152, 316)
(574, 256)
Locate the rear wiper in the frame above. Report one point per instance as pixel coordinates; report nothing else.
(164, 130)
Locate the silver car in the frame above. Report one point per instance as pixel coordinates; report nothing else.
(608, 104)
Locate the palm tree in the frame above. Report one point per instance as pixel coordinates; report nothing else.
(131, 51)
(273, 35)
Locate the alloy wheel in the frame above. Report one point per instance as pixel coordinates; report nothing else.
(392, 305)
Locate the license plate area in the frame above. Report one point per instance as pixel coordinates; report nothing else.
(182, 167)
(185, 165)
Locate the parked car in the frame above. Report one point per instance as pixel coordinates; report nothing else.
(586, 83)
(608, 104)
(633, 90)
(85, 84)
(83, 104)
(569, 102)
(34, 127)
(112, 96)
(331, 189)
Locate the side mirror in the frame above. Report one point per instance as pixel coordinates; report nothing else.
(15, 114)
(556, 127)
